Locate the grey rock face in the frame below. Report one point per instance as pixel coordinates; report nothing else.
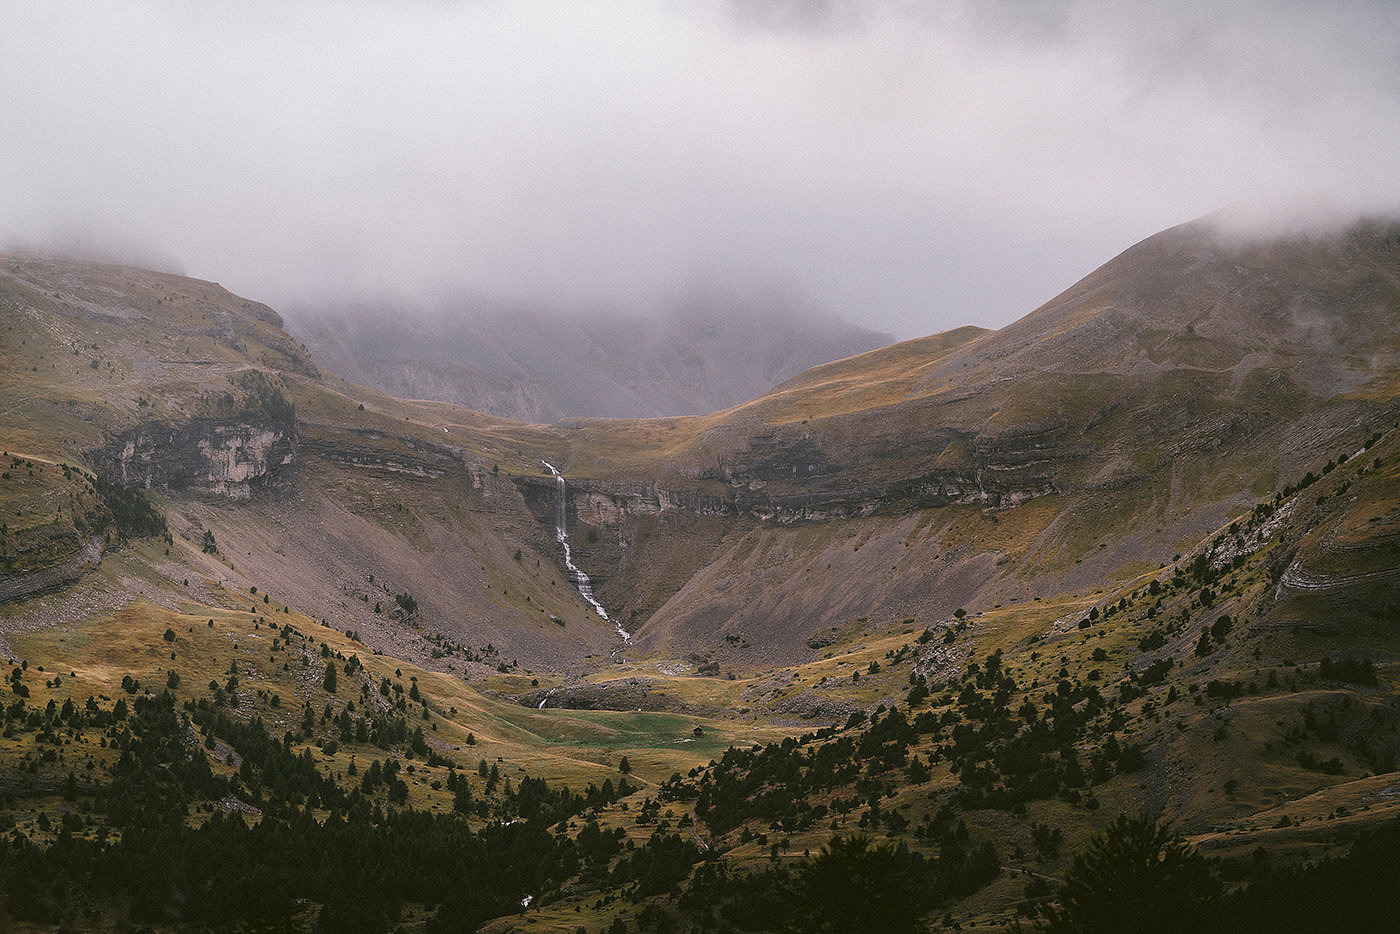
(230, 458)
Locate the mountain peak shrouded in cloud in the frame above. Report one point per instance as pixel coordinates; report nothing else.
(96, 246)
(702, 350)
(1318, 218)
(914, 166)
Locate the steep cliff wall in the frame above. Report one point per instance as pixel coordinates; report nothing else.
(221, 457)
(788, 478)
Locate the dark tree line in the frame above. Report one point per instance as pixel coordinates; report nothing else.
(362, 861)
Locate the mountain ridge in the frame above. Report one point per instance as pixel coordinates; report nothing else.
(993, 420)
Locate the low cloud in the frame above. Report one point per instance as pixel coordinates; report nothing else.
(912, 166)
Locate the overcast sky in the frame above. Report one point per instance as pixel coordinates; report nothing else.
(912, 166)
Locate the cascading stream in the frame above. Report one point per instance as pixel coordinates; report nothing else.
(561, 535)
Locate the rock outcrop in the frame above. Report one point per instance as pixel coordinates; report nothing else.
(230, 458)
(18, 586)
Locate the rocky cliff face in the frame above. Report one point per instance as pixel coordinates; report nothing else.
(18, 586)
(230, 458)
(609, 504)
(788, 479)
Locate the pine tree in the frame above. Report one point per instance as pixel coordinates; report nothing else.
(1136, 877)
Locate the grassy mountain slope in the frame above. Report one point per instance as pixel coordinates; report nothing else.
(1122, 420)
(324, 491)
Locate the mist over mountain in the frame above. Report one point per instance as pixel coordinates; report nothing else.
(701, 354)
(881, 156)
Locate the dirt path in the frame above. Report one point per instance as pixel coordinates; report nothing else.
(1030, 872)
(695, 832)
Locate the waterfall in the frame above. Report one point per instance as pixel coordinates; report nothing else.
(561, 535)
